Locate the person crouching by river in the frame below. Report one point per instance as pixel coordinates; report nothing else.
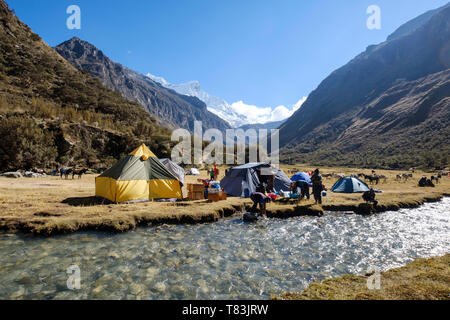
(369, 197)
(316, 180)
(300, 187)
(261, 199)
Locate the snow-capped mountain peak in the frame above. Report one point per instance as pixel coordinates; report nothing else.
(237, 114)
(214, 104)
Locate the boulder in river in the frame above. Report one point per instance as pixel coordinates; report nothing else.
(249, 217)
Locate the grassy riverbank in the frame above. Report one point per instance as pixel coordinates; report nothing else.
(422, 279)
(50, 205)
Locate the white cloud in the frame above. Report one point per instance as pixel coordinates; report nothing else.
(256, 114)
(299, 103)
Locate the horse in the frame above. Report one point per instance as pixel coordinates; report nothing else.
(403, 177)
(436, 178)
(65, 172)
(406, 176)
(372, 178)
(79, 173)
(338, 175)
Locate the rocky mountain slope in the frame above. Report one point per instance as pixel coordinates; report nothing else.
(389, 106)
(415, 23)
(173, 109)
(51, 113)
(268, 126)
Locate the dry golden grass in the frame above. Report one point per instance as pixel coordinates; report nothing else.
(423, 279)
(50, 205)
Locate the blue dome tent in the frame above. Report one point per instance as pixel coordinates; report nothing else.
(349, 185)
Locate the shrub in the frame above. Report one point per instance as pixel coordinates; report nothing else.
(24, 145)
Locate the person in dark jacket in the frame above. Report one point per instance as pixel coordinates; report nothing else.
(304, 189)
(316, 180)
(261, 199)
(300, 187)
(265, 188)
(369, 196)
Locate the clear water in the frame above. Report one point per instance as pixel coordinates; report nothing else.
(224, 260)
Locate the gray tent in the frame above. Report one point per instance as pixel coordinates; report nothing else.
(174, 169)
(242, 181)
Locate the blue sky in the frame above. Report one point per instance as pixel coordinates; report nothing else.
(265, 53)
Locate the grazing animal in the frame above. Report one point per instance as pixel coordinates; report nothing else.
(79, 173)
(436, 178)
(406, 176)
(382, 177)
(372, 178)
(65, 172)
(403, 176)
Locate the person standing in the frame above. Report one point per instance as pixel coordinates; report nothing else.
(216, 172)
(206, 186)
(316, 180)
(211, 174)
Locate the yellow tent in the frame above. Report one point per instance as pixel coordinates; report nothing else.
(140, 176)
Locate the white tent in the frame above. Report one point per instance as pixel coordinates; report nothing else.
(193, 172)
(173, 168)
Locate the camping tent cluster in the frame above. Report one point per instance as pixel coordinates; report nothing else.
(140, 176)
(242, 181)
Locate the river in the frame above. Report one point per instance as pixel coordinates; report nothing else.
(228, 259)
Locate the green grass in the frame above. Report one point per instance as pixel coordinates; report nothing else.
(422, 279)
